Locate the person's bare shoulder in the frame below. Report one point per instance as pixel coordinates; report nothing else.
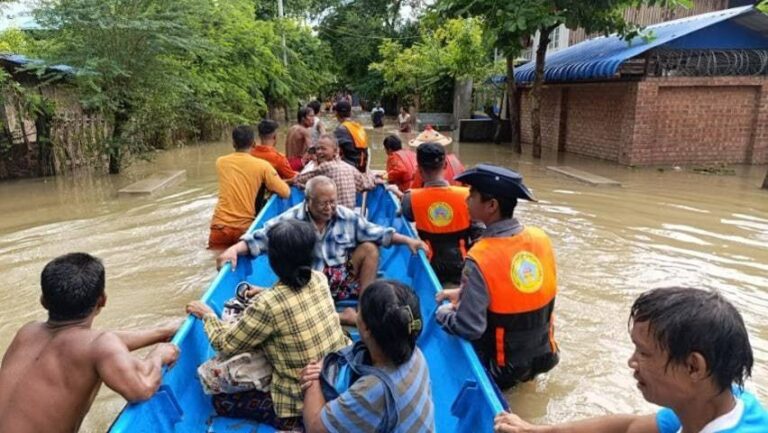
(106, 344)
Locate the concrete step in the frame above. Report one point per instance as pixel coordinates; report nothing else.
(584, 176)
(155, 182)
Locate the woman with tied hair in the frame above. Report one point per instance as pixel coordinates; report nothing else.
(389, 322)
(294, 323)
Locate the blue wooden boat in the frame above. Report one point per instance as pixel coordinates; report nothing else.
(465, 399)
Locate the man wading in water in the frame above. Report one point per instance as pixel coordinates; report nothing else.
(52, 370)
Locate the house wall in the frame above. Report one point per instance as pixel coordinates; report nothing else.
(658, 121)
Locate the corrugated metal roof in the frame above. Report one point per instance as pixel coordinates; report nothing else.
(601, 58)
(21, 60)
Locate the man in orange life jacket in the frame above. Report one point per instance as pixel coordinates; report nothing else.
(441, 214)
(401, 163)
(353, 141)
(506, 300)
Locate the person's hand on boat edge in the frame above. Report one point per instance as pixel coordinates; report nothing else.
(230, 255)
(169, 353)
(451, 295)
(416, 244)
(506, 422)
(310, 374)
(171, 327)
(199, 309)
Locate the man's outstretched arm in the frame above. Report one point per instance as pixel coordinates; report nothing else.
(139, 338)
(511, 423)
(134, 378)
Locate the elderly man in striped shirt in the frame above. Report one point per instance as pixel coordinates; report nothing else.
(347, 249)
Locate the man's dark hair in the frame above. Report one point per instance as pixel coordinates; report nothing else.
(290, 252)
(315, 106)
(391, 311)
(506, 204)
(343, 108)
(267, 127)
(72, 285)
(243, 137)
(393, 143)
(303, 113)
(685, 320)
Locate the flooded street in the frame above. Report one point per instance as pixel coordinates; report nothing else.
(660, 228)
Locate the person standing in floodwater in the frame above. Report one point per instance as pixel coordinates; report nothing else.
(299, 138)
(52, 370)
(507, 297)
(352, 138)
(243, 184)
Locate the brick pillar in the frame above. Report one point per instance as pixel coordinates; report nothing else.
(641, 127)
(759, 144)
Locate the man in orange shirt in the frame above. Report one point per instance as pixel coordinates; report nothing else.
(243, 185)
(267, 151)
(401, 163)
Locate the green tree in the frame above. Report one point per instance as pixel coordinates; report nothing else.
(513, 24)
(354, 30)
(133, 59)
(158, 69)
(455, 52)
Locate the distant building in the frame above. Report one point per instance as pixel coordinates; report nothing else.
(562, 37)
(695, 93)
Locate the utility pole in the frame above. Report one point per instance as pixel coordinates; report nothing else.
(281, 14)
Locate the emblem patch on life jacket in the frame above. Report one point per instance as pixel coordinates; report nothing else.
(440, 214)
(526, 272)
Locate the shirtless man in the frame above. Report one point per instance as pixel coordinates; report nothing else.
(299, 137)
(52, 370)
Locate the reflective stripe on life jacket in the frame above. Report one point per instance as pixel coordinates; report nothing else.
(519, 273)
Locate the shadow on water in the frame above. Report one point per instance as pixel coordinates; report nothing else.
(657, 229)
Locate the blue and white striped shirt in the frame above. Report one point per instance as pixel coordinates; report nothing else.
(343, 234)
(361, 407)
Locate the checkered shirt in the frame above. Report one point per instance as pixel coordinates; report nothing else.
(348, 180)
(294, 329)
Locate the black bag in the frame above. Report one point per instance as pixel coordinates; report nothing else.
(341, 369)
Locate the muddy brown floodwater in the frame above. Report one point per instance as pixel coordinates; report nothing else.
(660, 228)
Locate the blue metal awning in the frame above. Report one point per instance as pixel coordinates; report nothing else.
(20, 60)
(601, 58)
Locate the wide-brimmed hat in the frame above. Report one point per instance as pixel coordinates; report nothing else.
(429, 135)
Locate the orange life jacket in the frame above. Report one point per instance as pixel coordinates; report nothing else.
(360, 138)
(442, 220)
(519, 272)
(357, 131)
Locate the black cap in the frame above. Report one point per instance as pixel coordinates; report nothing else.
(343, 107)
(496, 181)
(430, 155)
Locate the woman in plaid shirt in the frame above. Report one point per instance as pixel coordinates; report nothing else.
(294, 322)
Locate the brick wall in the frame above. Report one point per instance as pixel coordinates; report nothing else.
(658, 121)
(598, 116)
(550, 117)
(700, 120)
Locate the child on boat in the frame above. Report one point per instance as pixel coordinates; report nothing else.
(389, 322)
